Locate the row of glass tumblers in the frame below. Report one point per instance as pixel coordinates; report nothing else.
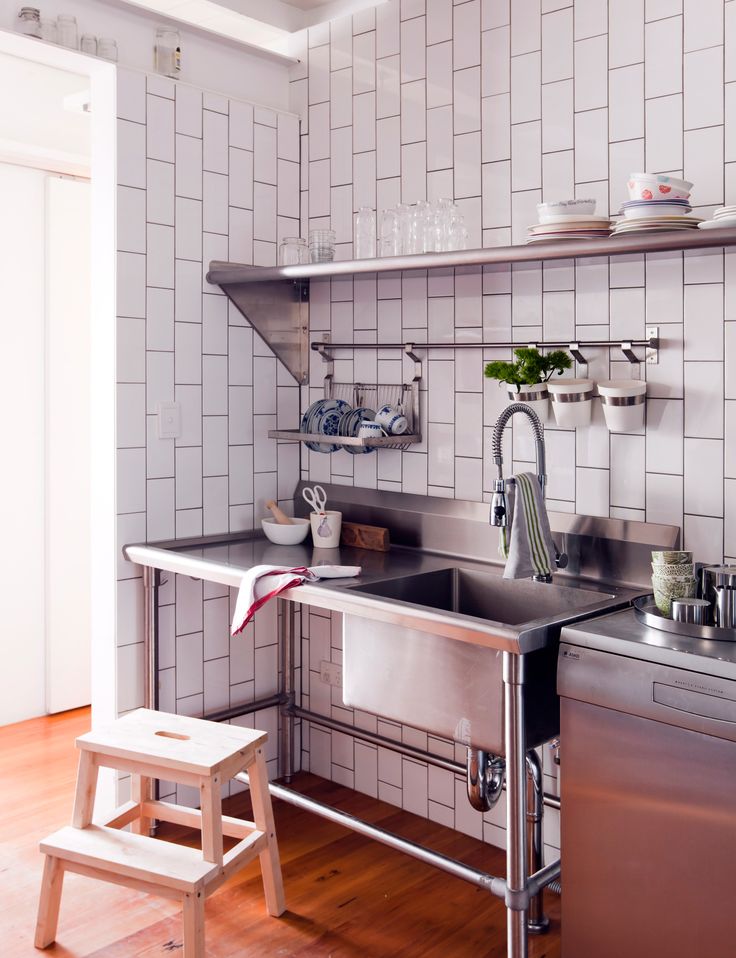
(293, 250)
(419, 228)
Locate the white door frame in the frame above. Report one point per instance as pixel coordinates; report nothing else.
(102, 76)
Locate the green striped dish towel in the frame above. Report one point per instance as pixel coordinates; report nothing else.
(526, 543)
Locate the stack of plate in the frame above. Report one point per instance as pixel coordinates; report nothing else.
(323, 418)
(655, 216)
(350, 424)
(723, 217)
(568, 220)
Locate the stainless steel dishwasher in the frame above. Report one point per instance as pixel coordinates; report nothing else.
(648, 785)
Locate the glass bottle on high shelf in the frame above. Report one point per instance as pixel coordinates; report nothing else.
(29, 22)
(365, 233)
(167, 52)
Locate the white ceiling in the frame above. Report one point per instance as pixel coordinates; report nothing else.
(34, 119)
(268, 25)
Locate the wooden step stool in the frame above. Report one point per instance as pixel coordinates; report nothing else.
(157, 745)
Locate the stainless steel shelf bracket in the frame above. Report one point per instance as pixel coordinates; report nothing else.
(574, 350)
(652, 349)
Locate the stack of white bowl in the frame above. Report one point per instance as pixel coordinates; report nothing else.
(568, 220)
(672, 578)
(656, 204)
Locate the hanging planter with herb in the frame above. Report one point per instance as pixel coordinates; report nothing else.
(526, 378)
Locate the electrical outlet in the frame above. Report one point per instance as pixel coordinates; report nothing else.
(330, 674)
(169, 420)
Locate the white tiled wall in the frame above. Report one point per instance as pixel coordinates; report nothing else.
(200, 177)
(500, 104)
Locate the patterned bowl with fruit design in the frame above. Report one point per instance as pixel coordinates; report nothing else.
(657, 187)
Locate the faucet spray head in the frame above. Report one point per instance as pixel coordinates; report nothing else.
(499, 504)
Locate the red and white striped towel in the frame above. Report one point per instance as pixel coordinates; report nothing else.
(264, 582)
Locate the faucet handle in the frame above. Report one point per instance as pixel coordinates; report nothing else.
(561, 559)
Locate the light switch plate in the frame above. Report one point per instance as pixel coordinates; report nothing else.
(169, 420)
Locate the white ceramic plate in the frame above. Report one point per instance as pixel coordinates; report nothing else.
(722, 223)
(571, 218)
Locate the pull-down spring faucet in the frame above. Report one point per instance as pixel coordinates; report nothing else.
(499, 502)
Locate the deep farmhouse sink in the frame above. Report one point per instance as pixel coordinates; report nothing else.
(454, 688)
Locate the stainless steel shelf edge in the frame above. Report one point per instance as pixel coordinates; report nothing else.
(223, 273)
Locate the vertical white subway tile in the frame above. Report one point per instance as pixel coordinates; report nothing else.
(388, 88)
(704, 537)
(628, 471)
(703, 23)
(413, 112)
(664, 499)
(591, 73)
(496, 179)
(496, 61)
(592, 492)
(439, 138)
(467, 100)
(704, 477)
(439, 21)
(703, 88)
(626, 103)
(364, 62)
(496, 127)
(703, 163)
(188, 167)
(591, 145)
(626, 33)
(526, 95)
(466, 35)
(215, 142)
(591, 18)
(704, 322)
(439, 75)
(160, 129)
(557, 45)
(704, 400)
(664, 431)
(526, 26)
(467, 165)
(131, 154)
(664, 126)
(526, 152)
(388, 40)
(558, 131)
(413, 50)
(663, 57)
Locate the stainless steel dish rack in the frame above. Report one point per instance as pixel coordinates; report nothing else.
(372, 395)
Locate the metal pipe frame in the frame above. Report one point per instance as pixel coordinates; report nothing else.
(537, 922)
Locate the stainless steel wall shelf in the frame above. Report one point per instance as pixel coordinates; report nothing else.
(228, 273)
(275, 299)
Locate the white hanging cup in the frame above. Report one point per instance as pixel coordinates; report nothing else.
(536, 397)
(572, 401)
(623, 402)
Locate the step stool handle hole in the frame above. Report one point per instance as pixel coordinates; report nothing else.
(164, 734)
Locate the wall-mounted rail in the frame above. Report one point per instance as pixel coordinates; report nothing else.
(627, 346)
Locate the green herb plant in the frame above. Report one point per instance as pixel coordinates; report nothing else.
(530, 367)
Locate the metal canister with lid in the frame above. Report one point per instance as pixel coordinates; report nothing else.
(718, 586)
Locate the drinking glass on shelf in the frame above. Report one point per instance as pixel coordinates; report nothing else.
(403, 226)
(107, 48)
(88, 44)
(49, 31)
(388, 239)
(365, 233)
(66, 26)
(322, 246)
(293, 251)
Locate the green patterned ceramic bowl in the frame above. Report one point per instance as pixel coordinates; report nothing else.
(671, 558)
(667, 572)
(665, 592)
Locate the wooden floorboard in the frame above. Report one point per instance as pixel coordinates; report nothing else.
(347, 896)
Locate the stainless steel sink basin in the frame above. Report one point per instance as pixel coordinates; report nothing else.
(454, 688)
(485, 595)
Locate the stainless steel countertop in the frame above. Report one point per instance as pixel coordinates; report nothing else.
(225, 559)
(623, 634)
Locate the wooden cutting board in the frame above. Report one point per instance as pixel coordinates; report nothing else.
(358, 536)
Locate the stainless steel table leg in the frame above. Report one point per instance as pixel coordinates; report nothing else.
(288, 613)
(151, 581)
(516, 853)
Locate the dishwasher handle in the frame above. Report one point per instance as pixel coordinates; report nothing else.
(703, 704)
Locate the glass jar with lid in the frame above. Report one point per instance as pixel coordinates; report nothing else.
(167, 52)
(88, 44)
(293, 250)
(49, 30)
(29, 22)
(66, 26)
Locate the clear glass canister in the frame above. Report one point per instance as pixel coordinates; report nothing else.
(168, 52)
(107, 48)
(66, 26)
(49, 31)
(29, 22)
(88, 44)
(365, 234)
(293, 250)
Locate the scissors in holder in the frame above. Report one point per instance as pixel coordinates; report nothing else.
(316, 498)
